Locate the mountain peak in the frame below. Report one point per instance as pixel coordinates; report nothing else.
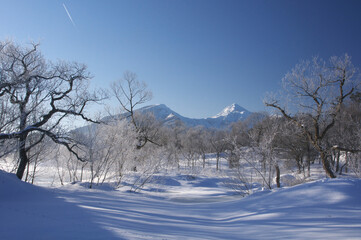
(230, 114)
(231, 109)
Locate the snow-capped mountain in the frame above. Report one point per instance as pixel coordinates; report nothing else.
(227, 116)
(233, 113)
(167, 116)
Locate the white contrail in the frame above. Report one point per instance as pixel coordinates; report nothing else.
(67, 12)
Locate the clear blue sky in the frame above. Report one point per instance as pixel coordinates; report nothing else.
(197, 56)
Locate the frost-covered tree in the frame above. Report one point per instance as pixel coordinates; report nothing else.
(239, 134)
(296, 146)
(190, 150)
(345, 136)
(202, 143)
(219, 144)
(130, 93)
(264, 136)
(173, 146)
(108, 148)
(318, 89)
(37, 155)
(37, 95)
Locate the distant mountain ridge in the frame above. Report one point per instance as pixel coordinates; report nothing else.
(224, 119)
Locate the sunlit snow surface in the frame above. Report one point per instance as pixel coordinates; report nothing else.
(180, 208)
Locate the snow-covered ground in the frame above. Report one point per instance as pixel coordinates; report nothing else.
(179, 206)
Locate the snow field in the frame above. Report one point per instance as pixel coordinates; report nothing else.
(179, 206)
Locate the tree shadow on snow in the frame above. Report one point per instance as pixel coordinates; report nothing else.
(30, 212)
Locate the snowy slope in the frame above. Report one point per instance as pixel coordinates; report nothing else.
(186, 209)
(34, 213)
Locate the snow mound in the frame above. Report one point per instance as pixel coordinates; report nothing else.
(31, 212)
(165, 181)
(288, 180)
(332, 193)
(12, 189)
(324, 209)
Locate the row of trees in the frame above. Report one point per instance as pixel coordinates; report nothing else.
(318, 117)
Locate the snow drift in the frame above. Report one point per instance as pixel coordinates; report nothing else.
(325, 209)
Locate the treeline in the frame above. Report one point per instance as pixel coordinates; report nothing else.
(317, 119)
(268, 145)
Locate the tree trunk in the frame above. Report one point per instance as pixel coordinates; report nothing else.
(299, 166)
(270, 175)
(302, 164)
(34, 170)
(326, 165)
(217, 160)
(278, 176)
(81, 173)
(204, 160)
(346, 164)
(23, 158)
(337, 161)
(308, 165)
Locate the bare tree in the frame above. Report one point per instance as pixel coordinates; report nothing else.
(296, 146)
(345, 134)
(37, 95)
(202, 143)
(190, 150)
(219, 144)
(130, 93)
(174, 145)
(264, 141)
(317, 89)
(239, 134)
(37, 154)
